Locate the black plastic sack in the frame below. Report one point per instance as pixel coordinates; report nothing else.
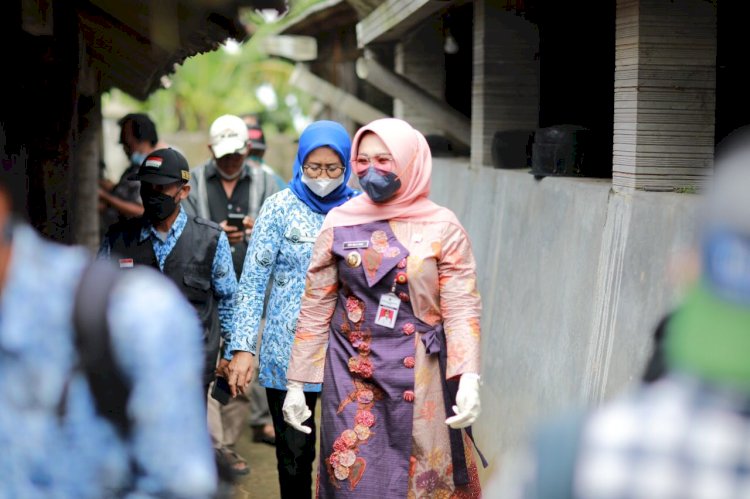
(560, 151)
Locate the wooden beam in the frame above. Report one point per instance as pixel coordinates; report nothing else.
(393, 18)
(452, 122)
(359, 111)
(296, 48)
(134, 15)
(290, 24)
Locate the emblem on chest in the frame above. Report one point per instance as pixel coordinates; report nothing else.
(354, 259)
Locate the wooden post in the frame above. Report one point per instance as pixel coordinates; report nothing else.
(420, 59)
(84, 190)
(505, 93)
(665, 94)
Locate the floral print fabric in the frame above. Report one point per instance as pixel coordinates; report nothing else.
(280, 249)
(441, 277)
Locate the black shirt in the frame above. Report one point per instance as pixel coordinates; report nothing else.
(219, 206)
(125, 189)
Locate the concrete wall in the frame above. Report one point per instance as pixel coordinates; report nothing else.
(574, 277)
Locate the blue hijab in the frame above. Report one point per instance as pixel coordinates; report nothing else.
(322, 134)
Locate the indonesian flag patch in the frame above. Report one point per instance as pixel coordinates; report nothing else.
(153, 162)
(126, 263)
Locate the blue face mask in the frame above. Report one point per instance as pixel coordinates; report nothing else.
(137, 158)
(379, 186)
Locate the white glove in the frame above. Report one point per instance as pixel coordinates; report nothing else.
(295, 408)
(467, 406)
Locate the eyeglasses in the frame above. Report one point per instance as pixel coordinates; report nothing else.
(380, 161)
(314, 170)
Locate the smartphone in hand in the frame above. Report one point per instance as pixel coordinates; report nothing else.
(235, 220)
(221, 392)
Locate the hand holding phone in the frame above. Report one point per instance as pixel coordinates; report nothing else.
(234, 228)
(221, 392)
(235, 220)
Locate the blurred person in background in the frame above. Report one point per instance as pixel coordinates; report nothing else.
(685, 433)
(120, 201)
(279, 252)
(55, 441)
(257, 144)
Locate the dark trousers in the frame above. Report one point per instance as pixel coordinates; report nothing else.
(295, 451)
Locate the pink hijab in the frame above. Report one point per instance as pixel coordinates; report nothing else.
(413, 165)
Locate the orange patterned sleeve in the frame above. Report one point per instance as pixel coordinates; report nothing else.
(318, 304)
(460, 303)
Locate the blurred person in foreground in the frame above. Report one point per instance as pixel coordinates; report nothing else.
(390, 324)
(280, 252)
(54, 441)
(685, 434)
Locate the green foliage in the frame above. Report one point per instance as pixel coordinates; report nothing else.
(224, 81)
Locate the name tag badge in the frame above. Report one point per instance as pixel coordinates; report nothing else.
(126, 263)
(387, 310)
(356, 244)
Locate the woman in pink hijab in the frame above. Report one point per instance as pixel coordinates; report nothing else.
(390, 325)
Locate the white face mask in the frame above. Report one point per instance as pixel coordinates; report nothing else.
(226, 176)
(322, 186)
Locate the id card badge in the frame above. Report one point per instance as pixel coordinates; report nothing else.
(387, 310)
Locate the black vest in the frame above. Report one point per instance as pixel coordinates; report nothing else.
(188, 265)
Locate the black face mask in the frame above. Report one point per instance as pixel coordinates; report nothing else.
(379, 186)
(157, 206)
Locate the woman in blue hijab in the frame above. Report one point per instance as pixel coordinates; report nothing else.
(281, 246)
(324, 188)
